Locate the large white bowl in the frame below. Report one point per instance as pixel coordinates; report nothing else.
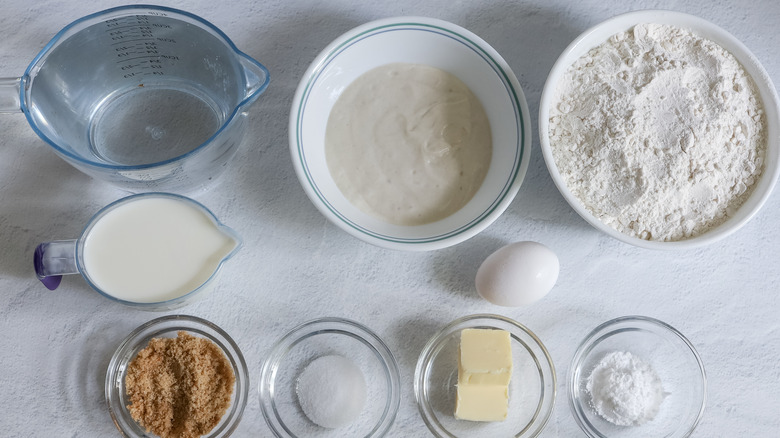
(420, 41)
(600, 33)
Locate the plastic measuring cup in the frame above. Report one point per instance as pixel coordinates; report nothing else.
(146, 97)
(156, 251)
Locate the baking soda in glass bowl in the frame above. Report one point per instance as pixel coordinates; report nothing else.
(660, 362)
(625, 390)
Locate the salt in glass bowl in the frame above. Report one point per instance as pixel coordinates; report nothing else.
(324, 337)
(532, 388)
(415, 40)
(597, 35)
(667, 351)
(168, 327)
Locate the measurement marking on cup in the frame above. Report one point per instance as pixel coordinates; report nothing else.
(152, 64)
(171, 57)
(122, 35)
(153, 73)
(141, 57)
(116, 27)
(138, 47)
(132, 41)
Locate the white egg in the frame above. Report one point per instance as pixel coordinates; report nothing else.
(518, 274)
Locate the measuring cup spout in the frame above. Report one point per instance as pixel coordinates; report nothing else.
(257, 78)
(9, 95)
(54, 259)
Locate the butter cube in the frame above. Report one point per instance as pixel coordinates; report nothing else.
(482, 402)
(484, 372)
(485, 357)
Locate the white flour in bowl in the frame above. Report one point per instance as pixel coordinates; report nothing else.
(658, 132)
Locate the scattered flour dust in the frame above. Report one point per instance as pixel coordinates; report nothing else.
(625, 390)
(658, 132)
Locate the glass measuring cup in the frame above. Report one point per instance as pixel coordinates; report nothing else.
(148, 98)
(156, 251)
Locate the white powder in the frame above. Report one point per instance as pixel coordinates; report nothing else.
(331, 391)
(659, 133)
(625, 390)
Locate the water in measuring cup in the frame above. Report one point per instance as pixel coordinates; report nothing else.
(150, 124)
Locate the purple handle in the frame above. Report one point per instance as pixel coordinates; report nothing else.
(50, 281)
(54, 259)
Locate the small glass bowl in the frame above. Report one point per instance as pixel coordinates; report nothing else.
(673, 358)
(322, 337)
(532, 388)
(168, 327)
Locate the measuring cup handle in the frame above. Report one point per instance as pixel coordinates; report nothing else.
(9, 95)
(54, 259)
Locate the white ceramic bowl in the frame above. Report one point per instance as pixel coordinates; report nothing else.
(600, 33)
(420, 41)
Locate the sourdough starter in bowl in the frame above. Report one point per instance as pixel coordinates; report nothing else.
(408, 143)
(660, 133)
(421, 43)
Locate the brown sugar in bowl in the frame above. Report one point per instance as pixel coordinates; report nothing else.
(189, 341)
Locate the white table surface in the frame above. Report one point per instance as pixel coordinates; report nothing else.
(296, 266)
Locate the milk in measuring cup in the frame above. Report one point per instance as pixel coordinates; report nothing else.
(154, 249)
